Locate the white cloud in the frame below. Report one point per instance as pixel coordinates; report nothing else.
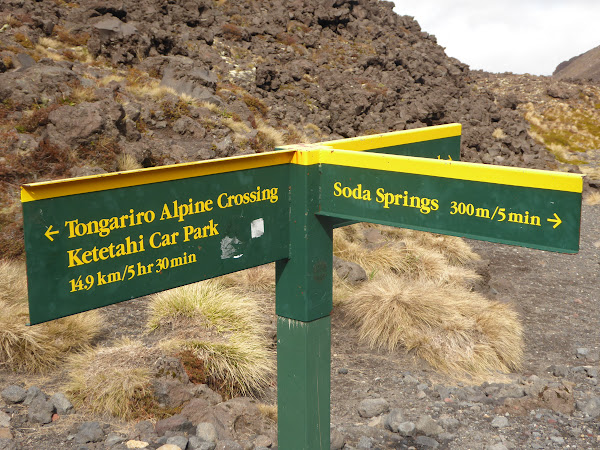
(519, 36)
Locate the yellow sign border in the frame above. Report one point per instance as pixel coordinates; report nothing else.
(374, 141)
(511, 176)
(94, 183)
(322, 153)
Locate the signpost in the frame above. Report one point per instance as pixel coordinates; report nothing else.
(99, 240)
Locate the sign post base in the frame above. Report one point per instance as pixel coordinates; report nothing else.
(303, 383)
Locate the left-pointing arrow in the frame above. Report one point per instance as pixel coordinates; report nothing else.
(49, 233)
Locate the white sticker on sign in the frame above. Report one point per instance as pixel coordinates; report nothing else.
(257, 228)
(229, 248)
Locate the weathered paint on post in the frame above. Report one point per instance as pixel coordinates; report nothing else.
(303, 304)
(304, 280)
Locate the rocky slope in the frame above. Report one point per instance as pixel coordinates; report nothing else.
(585, 67)
(563, 116)
(86, 86)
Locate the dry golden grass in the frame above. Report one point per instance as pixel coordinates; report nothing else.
(211, 107)
(141, 84)
(258, 282)
(60, 51)
(561, 153)
(454, 249)
(50, 43)
(222, 328)
(456, 331)
(208, 305)
(342, 290)
(125, 162)
(111, 380)
(240, 366)
(592, 173)
(48, 52)
(498, 133)
(152, 89)
(235, 125)
(12, 21)
(13, 282)
(418, 297)
(413, 254)
(268, 411)
(81, 94)
(593, 198)
(38, 348)
(105, 81)
(303, 134)
(311, 127)
(269, 136)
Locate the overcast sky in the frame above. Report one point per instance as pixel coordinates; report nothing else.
(519, 36)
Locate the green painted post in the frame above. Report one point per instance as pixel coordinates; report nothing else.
(303, 383)
(303, 305)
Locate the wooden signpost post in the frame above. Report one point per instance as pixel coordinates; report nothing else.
(95, 241)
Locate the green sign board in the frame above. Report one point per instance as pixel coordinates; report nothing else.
(533, 209)
(99, 240)
(91, 249)
(440, 142)
(120, 236)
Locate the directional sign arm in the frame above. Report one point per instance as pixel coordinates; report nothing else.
(492, 203)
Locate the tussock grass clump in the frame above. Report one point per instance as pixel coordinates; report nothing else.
(13, 282)
(236, 126)
(499, 134)
(240, 366)
(39, 348)
(258, 282)
(592, 198)
(223, 331)
(209, 305)
(59, 51)
(456, 331)
(267, 137)
(255, 104)
(268, 411)
(419, 297)
(125, 162)
(114, 380)
(23, 39)
(303, 134)
(70, 38)
(412, 254)
(454, 249)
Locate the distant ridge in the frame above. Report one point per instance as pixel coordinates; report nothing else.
(583, 67)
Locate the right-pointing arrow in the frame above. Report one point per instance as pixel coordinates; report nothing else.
(556, 220)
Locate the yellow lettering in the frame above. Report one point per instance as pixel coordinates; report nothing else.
(74, 259)
(380, 195)
(166, 214)
(151, 240)
(71, 224)
(224, 194)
